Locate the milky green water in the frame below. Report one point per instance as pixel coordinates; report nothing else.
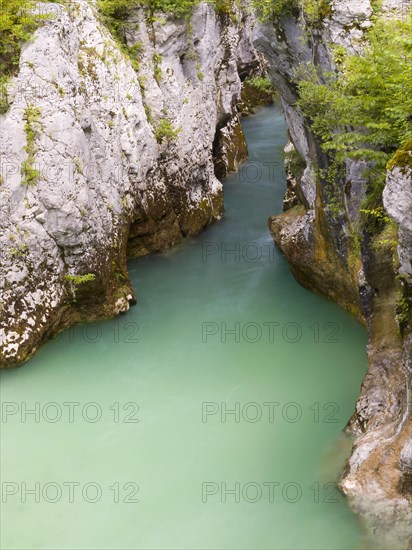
(149, 435)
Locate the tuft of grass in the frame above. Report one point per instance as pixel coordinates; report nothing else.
(32, 127)
(166, 131)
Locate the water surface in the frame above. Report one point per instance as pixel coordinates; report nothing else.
(220, 325)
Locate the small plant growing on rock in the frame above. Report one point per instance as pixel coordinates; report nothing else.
(157, 71)
(148, 113)
(19, 251)
(32, 127)
(262, 84)
(402, 309)
(200, 75)
(166, 131)
(294, 163)
(76, 280)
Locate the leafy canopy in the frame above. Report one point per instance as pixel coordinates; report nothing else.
(365, 110)
(313, 12)
(18, 21)
(16, 26)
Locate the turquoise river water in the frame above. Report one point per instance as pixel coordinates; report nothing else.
(209, 416)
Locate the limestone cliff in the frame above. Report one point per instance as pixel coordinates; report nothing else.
(367, 279)
(104, 159)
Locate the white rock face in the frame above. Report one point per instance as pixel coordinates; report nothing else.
(107, 148)
(348, 20)
(397, 199)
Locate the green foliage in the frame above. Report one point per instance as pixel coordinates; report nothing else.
(17, 24)
(16, 27)
(180, 8)
(32, 129)
(313, 12)
(271, 10)
(376, 213)
(364, 112)
(402, 158)
(115, 15)
(200, 75)
(76, 280)
(118, 11)
(333, 176)
(157, 70)
(148, 112)
(295, 164)
(402, 309)
(377, 6)
(166, 131)
(223, 6)
(134, 52)
(80, 279)
(262, 84)
(19, 251)
(388, 238)
(375, 220)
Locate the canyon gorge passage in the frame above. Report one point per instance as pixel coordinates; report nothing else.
(170, 357)
(138, 165)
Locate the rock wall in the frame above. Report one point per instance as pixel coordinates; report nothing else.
(102, 159)
(365, 280)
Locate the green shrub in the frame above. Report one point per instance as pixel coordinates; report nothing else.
(223, 6)
(262, 84)
(166, 131)
(364, 111)
(16, 27)
(118, 11)
(271, 10)
(313, 12)
(295, 164)
(17, 24)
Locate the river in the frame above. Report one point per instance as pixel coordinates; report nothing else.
(209, 416)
